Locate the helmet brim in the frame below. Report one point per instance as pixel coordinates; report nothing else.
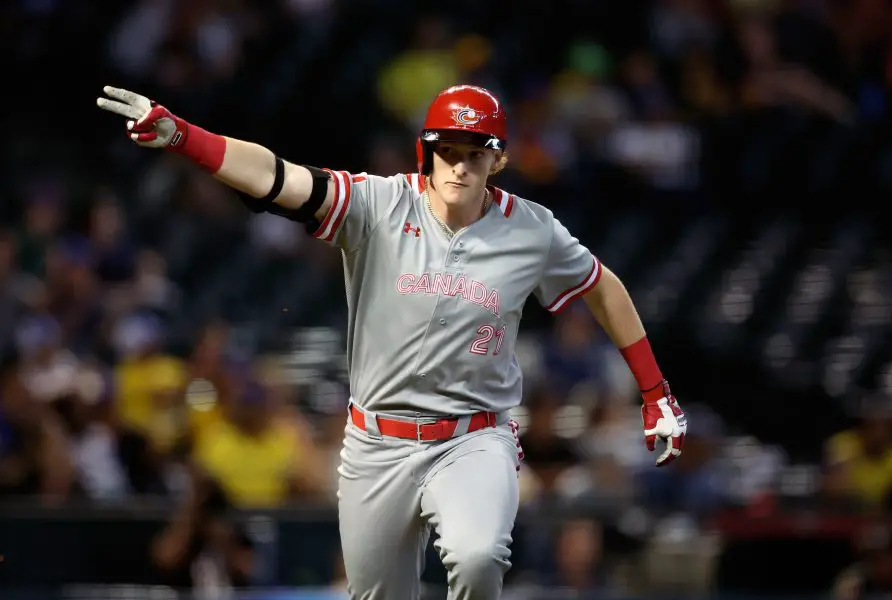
(462, 136)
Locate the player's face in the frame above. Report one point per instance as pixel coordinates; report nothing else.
(460, 171)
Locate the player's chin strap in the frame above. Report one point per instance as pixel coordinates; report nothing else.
(306, 214)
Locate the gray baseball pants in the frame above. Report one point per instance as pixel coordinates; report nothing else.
(391, 493)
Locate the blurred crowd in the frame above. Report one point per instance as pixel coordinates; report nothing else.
(132, 369)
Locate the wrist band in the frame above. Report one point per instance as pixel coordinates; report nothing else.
(640, 358)
(204, 148)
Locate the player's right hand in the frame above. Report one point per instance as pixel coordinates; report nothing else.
(148, 124)
(663, 418)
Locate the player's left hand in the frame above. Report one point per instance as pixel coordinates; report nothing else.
(148, 123)
(663, 419)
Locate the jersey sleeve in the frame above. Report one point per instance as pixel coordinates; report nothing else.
(360, 202)
(570, 271)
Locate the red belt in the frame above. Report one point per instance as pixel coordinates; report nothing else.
(423, 430)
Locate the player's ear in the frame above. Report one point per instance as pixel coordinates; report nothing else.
(500, 163)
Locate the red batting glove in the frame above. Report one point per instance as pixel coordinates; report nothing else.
(148, 123)
(159, 127)
(151, 125)
(663, 418)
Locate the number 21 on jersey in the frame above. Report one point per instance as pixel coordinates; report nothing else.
(485, 334)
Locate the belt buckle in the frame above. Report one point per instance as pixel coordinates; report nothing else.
(423, 421)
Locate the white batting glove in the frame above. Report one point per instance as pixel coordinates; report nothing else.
(149, 124)
(664, 419)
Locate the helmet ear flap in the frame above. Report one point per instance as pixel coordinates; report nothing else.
(424, 151)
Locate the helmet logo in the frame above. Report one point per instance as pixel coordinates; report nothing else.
(467, 116)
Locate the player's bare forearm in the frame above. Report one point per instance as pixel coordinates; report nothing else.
(247, 167)
(239, 560)
(614, 310)
(251, 168)
(170, 546)
(58, 470)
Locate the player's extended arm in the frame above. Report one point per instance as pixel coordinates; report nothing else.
(294, 191)
(614, 310)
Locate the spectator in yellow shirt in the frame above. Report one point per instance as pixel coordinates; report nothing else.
(859, 460)
(257, 457)
(411, 78)
(211, 376)
(148, 383)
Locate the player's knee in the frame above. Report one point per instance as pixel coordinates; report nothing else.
(479, 568)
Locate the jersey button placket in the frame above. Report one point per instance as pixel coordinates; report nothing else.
(454, 261)
(455, 256)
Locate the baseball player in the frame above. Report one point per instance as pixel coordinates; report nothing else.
(438, 265)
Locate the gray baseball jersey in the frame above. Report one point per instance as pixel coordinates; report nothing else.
(433, 320)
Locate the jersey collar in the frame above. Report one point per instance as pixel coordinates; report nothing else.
(502, 199)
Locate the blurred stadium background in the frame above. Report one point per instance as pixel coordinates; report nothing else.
(731, 160)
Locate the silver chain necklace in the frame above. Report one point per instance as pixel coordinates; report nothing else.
(446, 230)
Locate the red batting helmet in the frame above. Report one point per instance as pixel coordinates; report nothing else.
(462, 113)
